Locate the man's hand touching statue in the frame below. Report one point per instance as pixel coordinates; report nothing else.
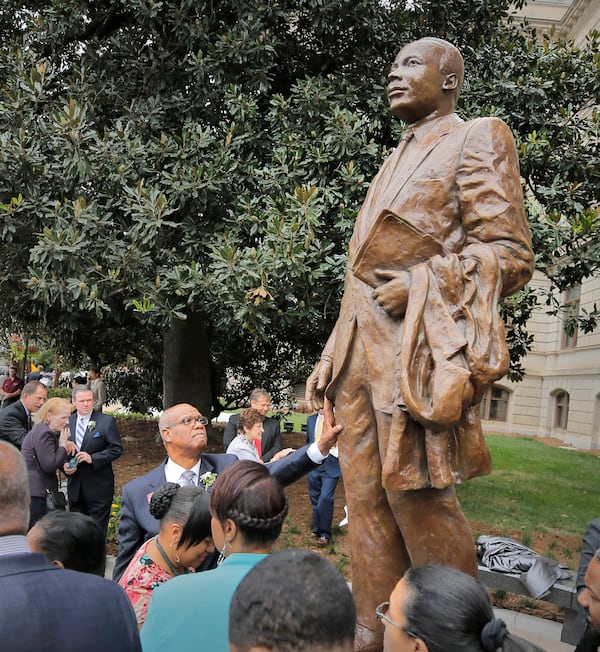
(330, 430)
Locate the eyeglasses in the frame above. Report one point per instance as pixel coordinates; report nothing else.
(190, 421)
(381, 613)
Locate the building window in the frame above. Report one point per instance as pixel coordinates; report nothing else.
(561, 410)
(571, 312)
(494, 405)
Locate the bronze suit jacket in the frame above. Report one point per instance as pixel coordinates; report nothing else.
(459, 183)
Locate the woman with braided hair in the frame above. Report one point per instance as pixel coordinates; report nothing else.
(183, 541)
(438, 608)
(191, 613)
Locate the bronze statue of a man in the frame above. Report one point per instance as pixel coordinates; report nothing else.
(441, 237)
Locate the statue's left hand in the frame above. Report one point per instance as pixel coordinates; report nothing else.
(392, 296)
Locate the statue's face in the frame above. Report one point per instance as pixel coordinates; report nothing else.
(416, 83)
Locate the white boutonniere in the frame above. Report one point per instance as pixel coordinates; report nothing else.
(91, 425)
(207, 479)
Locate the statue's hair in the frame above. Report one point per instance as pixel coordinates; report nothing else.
(451, 60)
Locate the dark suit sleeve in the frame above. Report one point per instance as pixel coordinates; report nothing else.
(49, 456)
(310, 428)
(230, 431)
(292, 467)
(591, 543)
(12, 425)
(277, 442)
(114, 448)
(131, 535)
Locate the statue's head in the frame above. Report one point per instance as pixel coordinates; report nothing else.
(425, 80)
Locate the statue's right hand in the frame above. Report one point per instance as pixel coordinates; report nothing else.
(317, 383)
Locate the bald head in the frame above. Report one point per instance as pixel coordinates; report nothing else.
(14, 491)
(183, 432)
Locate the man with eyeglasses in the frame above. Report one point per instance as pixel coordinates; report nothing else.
(183, 432)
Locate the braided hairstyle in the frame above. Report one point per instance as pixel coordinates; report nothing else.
(186, 506)
(246, 493)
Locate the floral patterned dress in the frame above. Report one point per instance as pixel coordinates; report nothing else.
(140, 578)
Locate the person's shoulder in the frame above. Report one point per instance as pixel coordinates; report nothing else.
(234, 418)
(102, 416)
(220, 460)
(485, 125)
(11, 411)
(157, 474)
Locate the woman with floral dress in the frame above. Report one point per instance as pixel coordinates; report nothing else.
(183, 541)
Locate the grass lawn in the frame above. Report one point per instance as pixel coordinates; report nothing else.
(534, 488)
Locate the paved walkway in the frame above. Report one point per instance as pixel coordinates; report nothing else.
(540, 631)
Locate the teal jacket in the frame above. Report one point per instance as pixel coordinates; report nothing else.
(191, 612)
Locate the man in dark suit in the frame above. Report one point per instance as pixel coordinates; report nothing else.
(91, 483)
(270, 442)
(322, 483)
(15, 420)
(43, 607)
(589, 599)
(441, 237)
(183, 432)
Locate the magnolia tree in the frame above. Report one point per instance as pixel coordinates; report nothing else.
(179, 180)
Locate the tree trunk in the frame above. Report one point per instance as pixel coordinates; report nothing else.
(186, 366)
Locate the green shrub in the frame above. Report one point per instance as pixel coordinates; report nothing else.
(60, 392)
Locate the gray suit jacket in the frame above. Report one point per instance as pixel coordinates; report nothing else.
(271, 438)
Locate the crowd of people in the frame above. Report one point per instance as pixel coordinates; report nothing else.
(196, 567)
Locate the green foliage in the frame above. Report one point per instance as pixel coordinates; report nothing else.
(137, 388)
(60, 392)
(159, 159)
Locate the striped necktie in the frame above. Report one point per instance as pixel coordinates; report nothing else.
(80, 432)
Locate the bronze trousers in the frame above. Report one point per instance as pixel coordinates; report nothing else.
(389, 530)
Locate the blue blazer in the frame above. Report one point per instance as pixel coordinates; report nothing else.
(137, 524)
(103, 443)
(331, 465)
(36, 598)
